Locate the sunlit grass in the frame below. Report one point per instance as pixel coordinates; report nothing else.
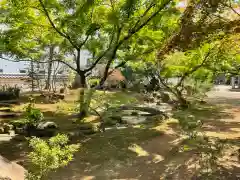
(138, 150)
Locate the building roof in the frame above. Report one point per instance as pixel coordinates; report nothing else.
(14, 76)
(26, 76)
(116, 74)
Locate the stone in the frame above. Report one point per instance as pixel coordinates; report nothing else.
(154, 94)
(1, 130)
(85, 126)
(11, 170)
(134, 113)
(165, 97)
(151, 99)
(159, 103)
(43, 129)
(7, 127)
(116, 118)
(47, 125)
(11, 133)
(62, 90)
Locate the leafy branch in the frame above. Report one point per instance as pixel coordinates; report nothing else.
(55, 27)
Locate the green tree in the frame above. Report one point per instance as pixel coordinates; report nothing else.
(104, 27)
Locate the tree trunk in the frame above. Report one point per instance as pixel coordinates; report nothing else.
(181, 100)
(50, 63)
(83, 109)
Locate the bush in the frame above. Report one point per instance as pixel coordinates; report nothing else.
(9, 93)
(197, 89)
(33, 115)
(49, 155)
(93, 82)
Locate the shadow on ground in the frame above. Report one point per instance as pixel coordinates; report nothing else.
(14, 150)
(101, 155)
(215, 118)
(139, 153)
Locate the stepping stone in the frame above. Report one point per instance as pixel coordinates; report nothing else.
(5, 105)
(5, 137)
(10, 102)
(11, 170)
(7, 109)
(8, 115)
(134, 119)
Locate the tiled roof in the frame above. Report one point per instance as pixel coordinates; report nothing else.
(11, 76)
(116, 74)
(26, 76)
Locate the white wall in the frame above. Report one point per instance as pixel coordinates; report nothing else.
(10, 67)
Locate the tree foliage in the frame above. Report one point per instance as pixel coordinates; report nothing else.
(117, 32)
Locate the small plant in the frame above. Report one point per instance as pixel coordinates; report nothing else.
(93, 82)
(49, 155)
(190, 127)
(33, 115)
(9, 93)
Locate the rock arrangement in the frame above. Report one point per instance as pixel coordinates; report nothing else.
(43, 129)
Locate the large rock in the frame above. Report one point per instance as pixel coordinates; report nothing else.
(43, 129)
(47, 125)
(10, 170)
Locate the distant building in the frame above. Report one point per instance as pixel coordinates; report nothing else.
(19, 73)
(113, 79)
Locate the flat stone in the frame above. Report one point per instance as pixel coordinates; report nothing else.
(5, 137)
(134, 119)
(47, 124)
(11, 170)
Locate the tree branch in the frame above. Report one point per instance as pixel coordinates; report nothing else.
(101, 56)
(130, 34)
(29, 60)
(144, 14)
(229, 6)
(54, 26)
(186, 74)
(132, 31)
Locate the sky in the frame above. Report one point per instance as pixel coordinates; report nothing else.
(10, 67)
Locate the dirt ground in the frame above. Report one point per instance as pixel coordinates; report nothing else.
(151, 152)
(157, 157)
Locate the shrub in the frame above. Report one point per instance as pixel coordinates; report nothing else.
(93, 82)
(49, 155)
(33, 115)
(197, 88)
(9, 93)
